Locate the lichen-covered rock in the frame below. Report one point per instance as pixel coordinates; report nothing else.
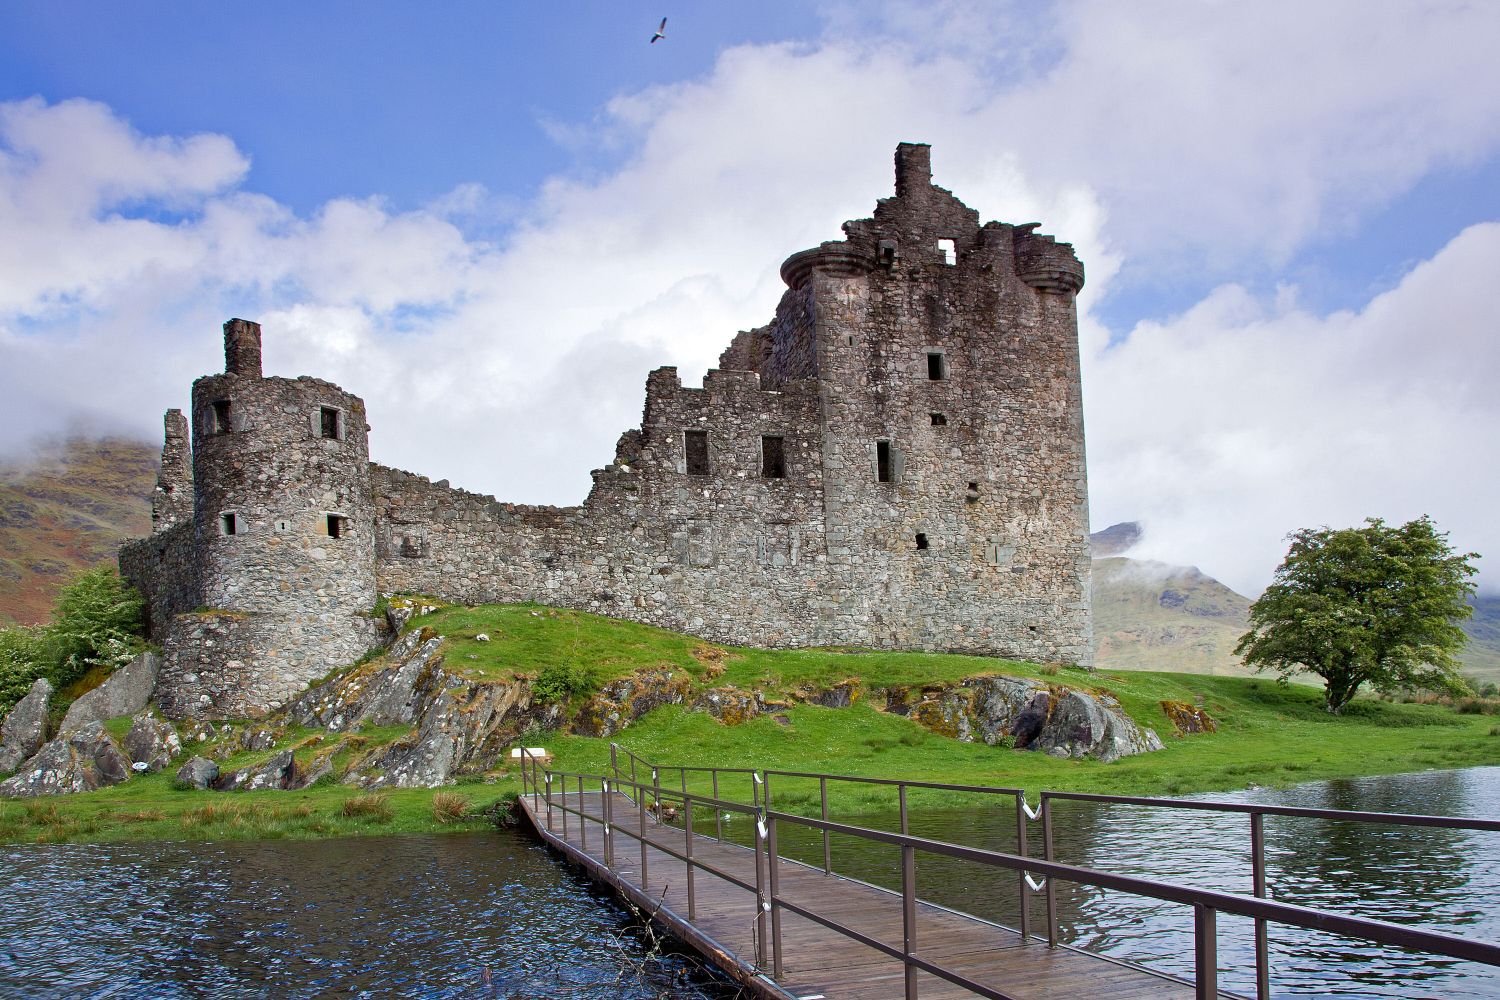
(730, 705)
(259, 738)
(841, 695)
(152, 741)
(320, 767)
(278, 772)
(1029, 715)
(124, 692)
(383, 692)
(77, 762)
(1189, 719)
(25, 727)
(199, 772)
(622, 701)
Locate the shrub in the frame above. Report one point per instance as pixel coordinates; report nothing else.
(22, 661)
(562, 681)
(449, 807)
(98, 620)
(375, 808)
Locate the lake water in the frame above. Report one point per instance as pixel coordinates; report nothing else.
(492, 915)
(488, 915)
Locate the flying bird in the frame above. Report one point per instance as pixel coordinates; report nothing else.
(661, 32)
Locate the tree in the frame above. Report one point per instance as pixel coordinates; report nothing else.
(1377, 605)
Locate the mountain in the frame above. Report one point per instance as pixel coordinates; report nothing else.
(65, 510)
(1153, 616)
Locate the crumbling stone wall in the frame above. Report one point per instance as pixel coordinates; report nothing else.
(896, 460)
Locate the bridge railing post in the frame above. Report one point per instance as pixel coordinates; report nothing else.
(718, 819)
(1047, 853)
(1258, 875)
(583, 820)
(1205, 952)
(609, 831)
(909, 915)
(547, 795)
(827, 849)
(760, 888)
(563, 806)
(687, 850)
(1021, 848)
(901, 794)
(772, 860)
(640, 805)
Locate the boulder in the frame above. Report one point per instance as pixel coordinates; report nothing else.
(198, 772)
(278, 772)
(321, 766)
(1029, 714)
(730, 705)
(622, 701)
(124, 692)
(25, 728)
(152, 741)
(383, 692)
(1188, 719)
(80, 761)
(259, 738)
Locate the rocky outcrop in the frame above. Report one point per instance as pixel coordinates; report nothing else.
(80, 761)
(200, 772)
(621, 702)
(25, 727)
(125, 692)
(1028, 715)
(278, 772)
(459, 722)
(1189, 719)
(152, 741)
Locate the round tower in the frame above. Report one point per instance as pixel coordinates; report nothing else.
(282, 520)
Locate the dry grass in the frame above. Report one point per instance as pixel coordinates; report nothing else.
(143, 816)
(373, 808)
(449, 807)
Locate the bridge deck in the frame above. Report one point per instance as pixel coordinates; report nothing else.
(816, 960)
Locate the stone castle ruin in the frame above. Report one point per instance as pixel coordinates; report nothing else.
(895, 461)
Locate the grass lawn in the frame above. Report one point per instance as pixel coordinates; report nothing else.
(1269, 734)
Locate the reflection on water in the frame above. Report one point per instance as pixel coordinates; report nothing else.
(1439, 879)
(487, 915)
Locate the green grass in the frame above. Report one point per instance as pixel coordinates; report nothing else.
(1269, 734)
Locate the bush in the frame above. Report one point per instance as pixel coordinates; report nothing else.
(562, 681)
(22, 661)
(98, 620)
(449, 807)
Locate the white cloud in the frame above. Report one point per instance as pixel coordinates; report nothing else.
(1229, 426)
(1149, 137)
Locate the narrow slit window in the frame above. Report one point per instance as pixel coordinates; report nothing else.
(337, 526)
(221, 416)
(331, 423)
(772, 457)
(921, 540)
(695, 449)
(882, 461)
(229, 524)
(938, 420)
(937, 366)
(949, 252)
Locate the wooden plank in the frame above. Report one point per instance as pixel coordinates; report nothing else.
(819, 959)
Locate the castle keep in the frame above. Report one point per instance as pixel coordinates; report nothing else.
(896, 461)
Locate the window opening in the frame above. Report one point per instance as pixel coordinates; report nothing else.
(337, 526)
(330, 423)
(921, 540)
(938, 420)
(695, 448)
(772, 458)
(949, 252)
(228, 524)
(882, 461)
(221, 417)
(937, 367)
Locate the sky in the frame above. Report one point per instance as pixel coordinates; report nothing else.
(491, 221)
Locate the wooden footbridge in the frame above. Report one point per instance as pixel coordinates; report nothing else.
(786, 928)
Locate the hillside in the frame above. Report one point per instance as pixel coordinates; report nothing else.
(67, 510)
(1153, 616)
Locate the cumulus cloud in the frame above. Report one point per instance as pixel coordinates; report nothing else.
(504, 346)
(1242, 419)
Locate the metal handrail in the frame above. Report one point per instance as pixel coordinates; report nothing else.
(1206, 903)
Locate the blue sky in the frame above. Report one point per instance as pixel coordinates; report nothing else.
(492, 220)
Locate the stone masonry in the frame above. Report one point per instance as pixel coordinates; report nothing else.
(896, 461)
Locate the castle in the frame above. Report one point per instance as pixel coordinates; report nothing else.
(895, 461)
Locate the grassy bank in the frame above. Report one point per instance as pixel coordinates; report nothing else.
(1268, 735)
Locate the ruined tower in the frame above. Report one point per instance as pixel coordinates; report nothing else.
(896, 461)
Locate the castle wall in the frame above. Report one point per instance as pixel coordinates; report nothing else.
(164, 569)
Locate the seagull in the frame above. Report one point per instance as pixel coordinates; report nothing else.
(661, 32)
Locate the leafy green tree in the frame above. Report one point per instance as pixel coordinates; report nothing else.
(98, 619)
(1375, 605)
